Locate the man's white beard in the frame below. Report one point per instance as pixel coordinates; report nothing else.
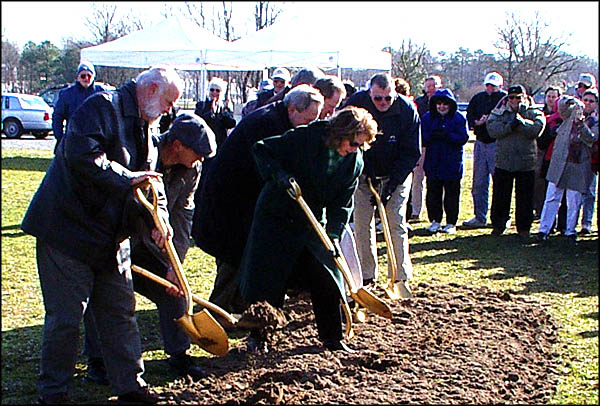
(153, 110)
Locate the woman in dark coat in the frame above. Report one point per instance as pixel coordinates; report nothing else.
(444, 132)
(283, 249)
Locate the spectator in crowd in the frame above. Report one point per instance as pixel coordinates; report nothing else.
(350, 90)
(264, 86)
(484, 152)
(431, 84)
(180, 153)
(333, 90)
(281, 85)
(444, 132)
(326, 160)
(515, 124)
(82, 248)
(570, 167)
(72, 97)
(232, 184)
(402, 87)
(551, 95)
(586, 81)
(388, 164)
(216, 111)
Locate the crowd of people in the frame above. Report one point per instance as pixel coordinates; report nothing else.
(225, 185)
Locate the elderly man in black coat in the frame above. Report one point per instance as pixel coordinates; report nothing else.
(79, 218)
(229, 189)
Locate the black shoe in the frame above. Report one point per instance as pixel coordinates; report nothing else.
(497, 231)
(54, 399)
(337, 345)
(523, 236)
(183, 365)
(367, 282)
(96, 372)
(541, 237)
(142, 396)
(256, 345)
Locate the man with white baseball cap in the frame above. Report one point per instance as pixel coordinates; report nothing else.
(484, 154)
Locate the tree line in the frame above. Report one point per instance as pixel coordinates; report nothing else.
(525, 53)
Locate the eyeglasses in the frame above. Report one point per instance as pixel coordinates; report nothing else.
(85, 76)
(590, 101)
(514, 96)
(216, 90)
(380, 98)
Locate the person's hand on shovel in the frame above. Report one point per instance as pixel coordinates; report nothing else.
(172, 277)
(160, 239)
(142, 176)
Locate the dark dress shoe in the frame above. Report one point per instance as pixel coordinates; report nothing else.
(542, 237)
(54, 399)
(183, 365)
(96, 372)
(337, 345)
(256, 345)
(142, 396)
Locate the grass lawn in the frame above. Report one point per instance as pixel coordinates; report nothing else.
(562, 276)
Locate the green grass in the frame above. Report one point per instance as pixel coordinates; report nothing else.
(563, 277)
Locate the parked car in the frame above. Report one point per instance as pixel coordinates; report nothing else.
(50, 95)
(25, 113)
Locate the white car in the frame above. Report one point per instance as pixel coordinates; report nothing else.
(25, 113)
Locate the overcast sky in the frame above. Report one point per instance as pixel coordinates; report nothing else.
(442, 26)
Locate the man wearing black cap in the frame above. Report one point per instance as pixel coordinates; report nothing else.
(72, 97)
(181, 151)
(515, 124)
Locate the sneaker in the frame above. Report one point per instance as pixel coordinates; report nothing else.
(54, 399)
(449, 229)
(142, 396)
(96, 372)
(183, 365)
(434, 227)
(474, 222)
(337, 345)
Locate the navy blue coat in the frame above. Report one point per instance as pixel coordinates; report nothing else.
(444, 137)
(230, 185)
(81, 205)
(68, 101)
(395, 152)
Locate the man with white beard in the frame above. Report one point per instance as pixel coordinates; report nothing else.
(82, 216)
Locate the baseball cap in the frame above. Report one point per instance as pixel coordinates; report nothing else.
(587, 79)
(194, 133)
(493, 78)
(86, 66)
(281, 73)
(266, 84)
(516, 89)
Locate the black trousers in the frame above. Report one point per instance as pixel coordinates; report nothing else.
(502, 195)
(442, 195)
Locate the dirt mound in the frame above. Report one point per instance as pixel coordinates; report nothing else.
(449, 344)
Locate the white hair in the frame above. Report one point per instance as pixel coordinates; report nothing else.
(164, 76)
(218, 82)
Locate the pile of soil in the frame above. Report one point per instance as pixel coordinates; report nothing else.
(449, 344)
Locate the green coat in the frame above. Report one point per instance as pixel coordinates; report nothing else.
(280, 229)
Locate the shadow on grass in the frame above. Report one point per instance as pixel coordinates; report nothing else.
(556, 266)
(26, 163)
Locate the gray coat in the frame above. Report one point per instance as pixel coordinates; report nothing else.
(570, 166)
(516, 148)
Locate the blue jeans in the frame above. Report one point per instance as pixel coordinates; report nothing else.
(589, 200)
(484, 162)
(68, 286)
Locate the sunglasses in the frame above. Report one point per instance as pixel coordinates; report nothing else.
(85, 76)
(380, 98)
(216, 90)
(514, 96)
(583, 85)
(589, 101)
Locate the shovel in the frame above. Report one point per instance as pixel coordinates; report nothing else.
(391, 289)
(201, 327)
(361, 296)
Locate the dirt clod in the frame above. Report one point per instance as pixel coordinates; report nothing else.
(449, 344)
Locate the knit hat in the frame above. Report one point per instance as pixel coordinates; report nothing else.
(193, 132)
(85, 65)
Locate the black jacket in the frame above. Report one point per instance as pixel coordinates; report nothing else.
(219, 122)
(81, 205)
(482, 103)
(395, 152)
(229, 188)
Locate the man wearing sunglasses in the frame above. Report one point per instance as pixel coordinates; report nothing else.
(72, 97)
(515, 124)
(389, 164)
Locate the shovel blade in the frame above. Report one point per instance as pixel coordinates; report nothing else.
(392, 291)
(205, 331)
(373, 303)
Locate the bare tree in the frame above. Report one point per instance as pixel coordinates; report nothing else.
(408, 62)
(105, 24)
(530, 56)
(10, 64)
(265, 14)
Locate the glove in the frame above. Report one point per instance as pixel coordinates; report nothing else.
(515, 123)
(283, 180)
